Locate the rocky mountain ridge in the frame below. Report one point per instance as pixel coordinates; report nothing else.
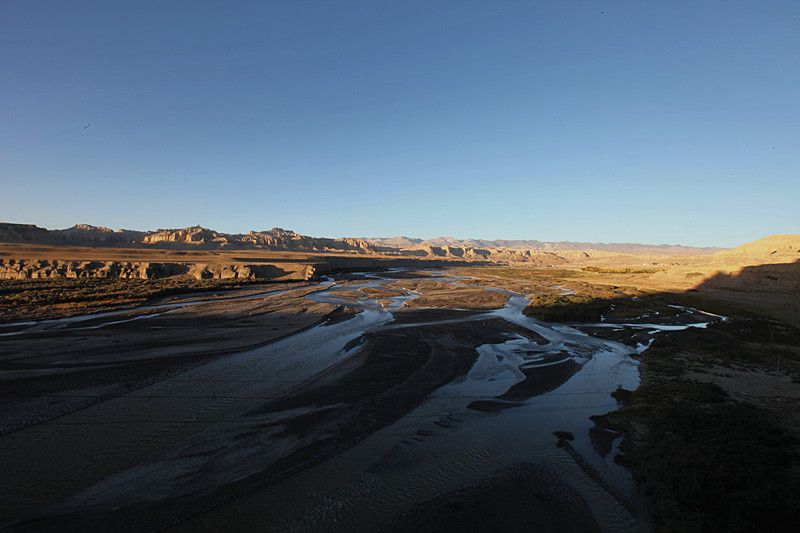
(621, 248)
(191, 237)
(281, 239)
(31, 252)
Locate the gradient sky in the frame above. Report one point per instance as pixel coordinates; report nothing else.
(654, 122)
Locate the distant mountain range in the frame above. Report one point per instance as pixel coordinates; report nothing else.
(191, 237)
(622, 248)
(280, 239)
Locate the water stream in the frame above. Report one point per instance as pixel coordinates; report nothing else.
(443, 444)
(438, 446)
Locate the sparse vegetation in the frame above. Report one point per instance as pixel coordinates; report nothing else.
(50, 298)
(567, 308)
(621, 270)
(534, 275)
(708, 462)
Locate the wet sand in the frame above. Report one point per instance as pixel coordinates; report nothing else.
(56, 367)
(517, 499)
(389, 375)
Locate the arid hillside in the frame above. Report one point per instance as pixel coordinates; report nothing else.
(617, 248)
(771, 249)
(533, 253)
(766, 269)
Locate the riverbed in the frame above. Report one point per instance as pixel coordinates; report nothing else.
(343, 426)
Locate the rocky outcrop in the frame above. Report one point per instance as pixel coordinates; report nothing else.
(88, 234)
(48, 269)
(283, 272)
(281, 239)
(500, 255)
(23, 232)
(517, 251)
(192, 235)
(42, 269)
(195, 236)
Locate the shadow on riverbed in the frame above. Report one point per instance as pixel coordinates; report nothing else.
(365, 371)
(519, 498)
(391, 372)
(541, 376)
(59, 368)
(707, 461)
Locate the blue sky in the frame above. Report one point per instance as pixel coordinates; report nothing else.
(655, 122)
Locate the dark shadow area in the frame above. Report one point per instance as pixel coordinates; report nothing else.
(709, 456)
(541, 377)
(771, 290)
(56, 368)
(391, 373)
(521, 498)
(709, 460)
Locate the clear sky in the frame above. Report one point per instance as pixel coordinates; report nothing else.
(600, 121)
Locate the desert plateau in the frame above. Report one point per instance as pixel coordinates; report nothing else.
(187, 380)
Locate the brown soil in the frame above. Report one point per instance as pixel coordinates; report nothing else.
(450, 296)
(86, 253)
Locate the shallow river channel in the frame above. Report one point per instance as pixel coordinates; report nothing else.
(276, 404)
(443, 444)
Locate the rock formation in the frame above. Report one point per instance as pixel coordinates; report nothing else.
(23, 232)
(363, 252)
(44, 269)
(192, 235)
(281, 239)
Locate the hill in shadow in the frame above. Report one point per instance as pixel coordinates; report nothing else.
(772, 290)
(712, 431)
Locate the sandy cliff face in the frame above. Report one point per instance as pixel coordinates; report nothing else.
(192, 235)
(280, 239)
(509, 256)
(45, 269)
(42, 269)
